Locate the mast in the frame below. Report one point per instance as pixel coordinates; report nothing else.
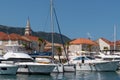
(52, 26)
(60, 34)
(114, 38)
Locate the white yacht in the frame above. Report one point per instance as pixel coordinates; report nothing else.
(109, 56)
(45, 57)
(91, 64)
(8, 67)
(25, 62)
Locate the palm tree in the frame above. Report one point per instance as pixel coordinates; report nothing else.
(67, 47)
(59, 52)
(41, 43)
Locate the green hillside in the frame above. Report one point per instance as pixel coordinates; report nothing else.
(44, 35)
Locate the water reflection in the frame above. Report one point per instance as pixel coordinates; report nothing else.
(87, 75)
(79, 75)
(8, 77)
(84, 75)
(34, 77)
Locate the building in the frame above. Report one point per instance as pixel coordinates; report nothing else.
(80, 45)
(11, 39)
(28, 30)
(30, 42)
(106, 45)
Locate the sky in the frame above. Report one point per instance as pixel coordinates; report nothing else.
(77, 18)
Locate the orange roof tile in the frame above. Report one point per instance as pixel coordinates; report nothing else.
(33, 38)
(2, 33)
(118, 42)
(83, 41)
(3, 36)
(13, 36)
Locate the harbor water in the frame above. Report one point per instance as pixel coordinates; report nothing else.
(79, 75)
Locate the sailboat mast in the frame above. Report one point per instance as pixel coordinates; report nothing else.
(52, 26)
(114, 38)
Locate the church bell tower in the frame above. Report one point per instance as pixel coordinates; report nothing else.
(28, 30)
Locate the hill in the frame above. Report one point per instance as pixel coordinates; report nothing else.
(43, 35)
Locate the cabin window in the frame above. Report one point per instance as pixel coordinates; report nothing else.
(105, 48)
(3, 68)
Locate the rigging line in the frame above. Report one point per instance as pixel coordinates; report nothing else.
(60, 33)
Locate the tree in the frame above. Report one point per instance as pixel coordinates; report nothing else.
(59, 52)
(41, 43)
(67, 47)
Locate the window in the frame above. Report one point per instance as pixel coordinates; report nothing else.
(105, 48)
(3, 68)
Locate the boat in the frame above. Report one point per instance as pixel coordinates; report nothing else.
(60, 66)
(8, 68)
(25, 62)
(87, 63)
(109, 57)
(46, 57)
(69, 67)
(43, 58)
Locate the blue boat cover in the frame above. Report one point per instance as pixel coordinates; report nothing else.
(41, 54)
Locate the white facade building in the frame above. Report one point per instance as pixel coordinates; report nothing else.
(81, 45)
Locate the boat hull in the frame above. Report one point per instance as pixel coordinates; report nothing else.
(8, 69)
(35, 68)
(58, 68)
(23, 69)
(41, 68)
(69, 68)
(102, 66)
